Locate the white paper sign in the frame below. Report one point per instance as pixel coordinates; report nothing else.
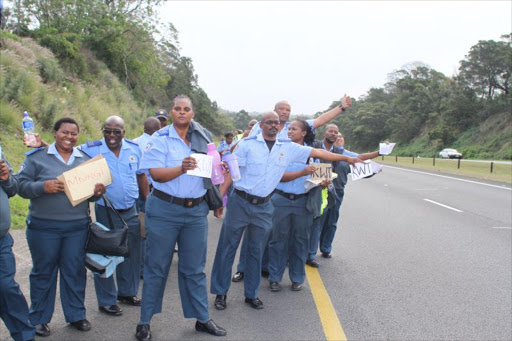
(386, 148)
(204, 166)
(364, 169)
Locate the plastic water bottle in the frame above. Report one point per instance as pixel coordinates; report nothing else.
(217, 176)
(28, 128)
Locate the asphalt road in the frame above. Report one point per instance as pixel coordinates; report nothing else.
(403, 268)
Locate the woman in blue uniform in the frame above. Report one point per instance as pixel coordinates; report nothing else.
(56, 231)
(291, 219)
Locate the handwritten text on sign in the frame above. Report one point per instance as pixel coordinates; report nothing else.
(323, 171)
(81, 180)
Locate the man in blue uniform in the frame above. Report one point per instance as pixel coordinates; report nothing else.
(283, 110)
(128, 182)
(163, 117)
(13, 306)
(177, 212)
(323, 228)
(263, 160)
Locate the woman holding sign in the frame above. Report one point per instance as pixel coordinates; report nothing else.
(291, 219)
(56, 231)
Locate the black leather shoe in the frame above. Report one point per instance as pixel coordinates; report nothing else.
(255, 303)
(296, 286)
(312, 263)
(82, 325)
(265, 273)
(113, 310)
(131, 300)
(275, 286)
(326, 255)
(239, 276)
(220, 302)
(211, 328)
(43, 330)
(142, 332)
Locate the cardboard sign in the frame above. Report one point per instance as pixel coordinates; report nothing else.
(323, 171)
(79, 182)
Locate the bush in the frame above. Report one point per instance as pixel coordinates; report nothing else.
(7, 114)
(66, 47)
(50, 71)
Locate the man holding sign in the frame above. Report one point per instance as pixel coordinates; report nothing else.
(323, 228)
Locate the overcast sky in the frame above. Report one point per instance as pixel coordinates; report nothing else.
(251, 54)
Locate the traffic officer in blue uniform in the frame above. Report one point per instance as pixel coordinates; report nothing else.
(128, 182)
(283, 110)
(176, 212)
(324, 227)
(13, 306)
(263, 160)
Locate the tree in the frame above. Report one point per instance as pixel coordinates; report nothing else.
(488, 67)
(241, 119)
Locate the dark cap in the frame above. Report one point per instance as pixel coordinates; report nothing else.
(162, 113)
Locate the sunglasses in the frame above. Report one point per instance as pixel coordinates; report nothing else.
(110, 131)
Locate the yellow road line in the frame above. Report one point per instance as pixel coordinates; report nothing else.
(330, 322)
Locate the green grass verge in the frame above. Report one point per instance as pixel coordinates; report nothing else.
(478, 170)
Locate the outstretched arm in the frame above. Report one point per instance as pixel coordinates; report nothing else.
(325, 155)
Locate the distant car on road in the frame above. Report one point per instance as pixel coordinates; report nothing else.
(449, 153)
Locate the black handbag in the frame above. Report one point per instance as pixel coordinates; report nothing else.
(213, 198)
(110, 242)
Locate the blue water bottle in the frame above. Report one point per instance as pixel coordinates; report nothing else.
(28, 129)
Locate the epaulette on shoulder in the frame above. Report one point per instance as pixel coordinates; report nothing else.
(93, 143)
(35, 150)
(251, 137)
(131, 141)
(284, 139)
(163, 131)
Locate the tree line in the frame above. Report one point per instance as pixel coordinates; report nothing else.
(417, 106)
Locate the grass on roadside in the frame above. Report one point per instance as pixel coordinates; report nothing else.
(478, 170)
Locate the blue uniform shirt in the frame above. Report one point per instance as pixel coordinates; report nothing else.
(124, 189)
(283, 134)
(167, 149)
(53, 150)
(223, 146)
(262, 170)
(143, 141)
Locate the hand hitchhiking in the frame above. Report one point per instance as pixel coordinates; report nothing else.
(346, 101)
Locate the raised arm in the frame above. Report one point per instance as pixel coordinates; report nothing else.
(328, 116)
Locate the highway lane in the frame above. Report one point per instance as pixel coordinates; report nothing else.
(405, 268)
(402, 268)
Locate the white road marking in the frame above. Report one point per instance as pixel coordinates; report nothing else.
(446, 206)
(450, 177)
(502, 227)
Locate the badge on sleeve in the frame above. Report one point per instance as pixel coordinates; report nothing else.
(132, 158)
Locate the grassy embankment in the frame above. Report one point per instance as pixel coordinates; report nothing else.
(32, 80)
(477, 170)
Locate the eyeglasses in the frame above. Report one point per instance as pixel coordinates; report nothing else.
(272, 123)
(110, 131)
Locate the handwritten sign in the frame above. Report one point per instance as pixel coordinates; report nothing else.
(323, 171)
(79, 182)
(364, 169)
(204, 166)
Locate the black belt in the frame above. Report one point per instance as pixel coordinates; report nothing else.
(255, 200)
(121, 210)
(185, 202)
(290, 195)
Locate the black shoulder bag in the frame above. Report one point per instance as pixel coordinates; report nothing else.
(109, 242)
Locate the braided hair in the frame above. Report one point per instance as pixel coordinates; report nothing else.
(310, 136)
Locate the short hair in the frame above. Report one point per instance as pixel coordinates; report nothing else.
(185, 97)
(226, 135)
(57, 124)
